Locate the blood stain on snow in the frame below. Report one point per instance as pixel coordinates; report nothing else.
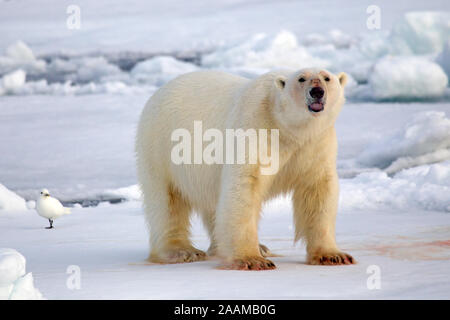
(431, 250)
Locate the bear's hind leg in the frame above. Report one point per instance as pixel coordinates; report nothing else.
(208, 219)
(169, 219)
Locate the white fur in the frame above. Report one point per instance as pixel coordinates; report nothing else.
(229, 197)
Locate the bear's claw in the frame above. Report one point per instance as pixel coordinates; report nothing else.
(336, 258)
(253, 263)
(185, 255)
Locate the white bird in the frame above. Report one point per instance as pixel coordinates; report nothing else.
(49, 207)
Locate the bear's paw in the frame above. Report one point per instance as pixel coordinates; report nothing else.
(331, 258)
(250, 263)
(183, 255)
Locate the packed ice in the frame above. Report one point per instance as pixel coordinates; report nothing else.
(79, 93)
(262, 53)
(423, 139)
(159, 70)
(15, 283)
(425, 187)
(410, 61)
(420, 33)
(10, 201)
(407, 78)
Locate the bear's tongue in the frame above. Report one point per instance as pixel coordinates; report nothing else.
(316, 107)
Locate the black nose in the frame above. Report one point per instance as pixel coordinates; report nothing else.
(316, 92)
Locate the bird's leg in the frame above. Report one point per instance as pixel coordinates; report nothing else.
(51, 224)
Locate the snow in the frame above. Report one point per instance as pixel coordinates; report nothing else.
(19, 55)
(159, 70)
(12, 81)
(424, 187)
(88, 69)
(262, 53)
(340, 39)
(175, 25)
(12, 266)
(443, 59)
(421, 32)
(438, 174)
(98, 152)
(19, 51)
(130, 193)
(409, 189)
(407, 78)
(10, 201)
(68, 88)
(97, 149)
(424, 139)
(15, 283)
(80, 92)
(405, 61)
(109, 245)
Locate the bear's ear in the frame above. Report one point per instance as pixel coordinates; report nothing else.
(280, 82)
(342, 78)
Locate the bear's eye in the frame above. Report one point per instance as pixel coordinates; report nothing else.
(327, 79)
(301, 80)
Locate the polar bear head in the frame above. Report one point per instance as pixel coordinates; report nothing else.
(309, 96)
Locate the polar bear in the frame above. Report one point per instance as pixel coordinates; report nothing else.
(302, 106)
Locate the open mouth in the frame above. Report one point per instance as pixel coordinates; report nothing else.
(316, 107)
(316, 95)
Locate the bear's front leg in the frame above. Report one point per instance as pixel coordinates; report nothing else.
(237, 216)
(315, 208)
